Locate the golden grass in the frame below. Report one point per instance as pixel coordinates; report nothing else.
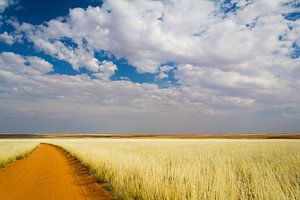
(11, 150)
(193, 169)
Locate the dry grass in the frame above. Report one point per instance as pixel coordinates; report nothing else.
(193, 169)
(11, 150)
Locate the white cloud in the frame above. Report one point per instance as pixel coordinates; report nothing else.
(39, 64)
(27, 89)
(162, 75)
(20, 65)
(163, 72)
(194, 75)
(5, 3)
(8, 39)
(187, 32)
(107, 69)
(227, 63)
(77, 57)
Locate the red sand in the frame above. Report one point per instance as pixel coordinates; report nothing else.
(49, 173)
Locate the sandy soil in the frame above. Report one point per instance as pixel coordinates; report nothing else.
(49, 173)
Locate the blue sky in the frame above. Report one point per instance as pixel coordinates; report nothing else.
(34, 12)
(149, 66)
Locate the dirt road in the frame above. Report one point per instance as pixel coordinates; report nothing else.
(48, 173)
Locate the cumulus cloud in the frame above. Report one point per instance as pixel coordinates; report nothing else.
(17, 64)
(107, 69)
(163, 72)
(5, 3)
(155, 32)
(7, 38)
(28, 90)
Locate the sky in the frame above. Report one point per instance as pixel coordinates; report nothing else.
(150, 66)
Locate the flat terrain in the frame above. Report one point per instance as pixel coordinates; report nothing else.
(192, 169)
(49, 173)
(146, 136)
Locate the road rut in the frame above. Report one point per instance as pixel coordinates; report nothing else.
(49, 173)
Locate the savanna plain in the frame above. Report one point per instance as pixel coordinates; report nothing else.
(181, 168)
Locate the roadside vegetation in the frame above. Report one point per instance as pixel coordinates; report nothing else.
(11, 150)
(192, 169)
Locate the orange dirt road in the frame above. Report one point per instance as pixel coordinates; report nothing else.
(49, 173)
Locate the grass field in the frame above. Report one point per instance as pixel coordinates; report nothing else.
(11, 150)
(192, 169)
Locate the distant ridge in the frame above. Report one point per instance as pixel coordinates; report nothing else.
(149, 136)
